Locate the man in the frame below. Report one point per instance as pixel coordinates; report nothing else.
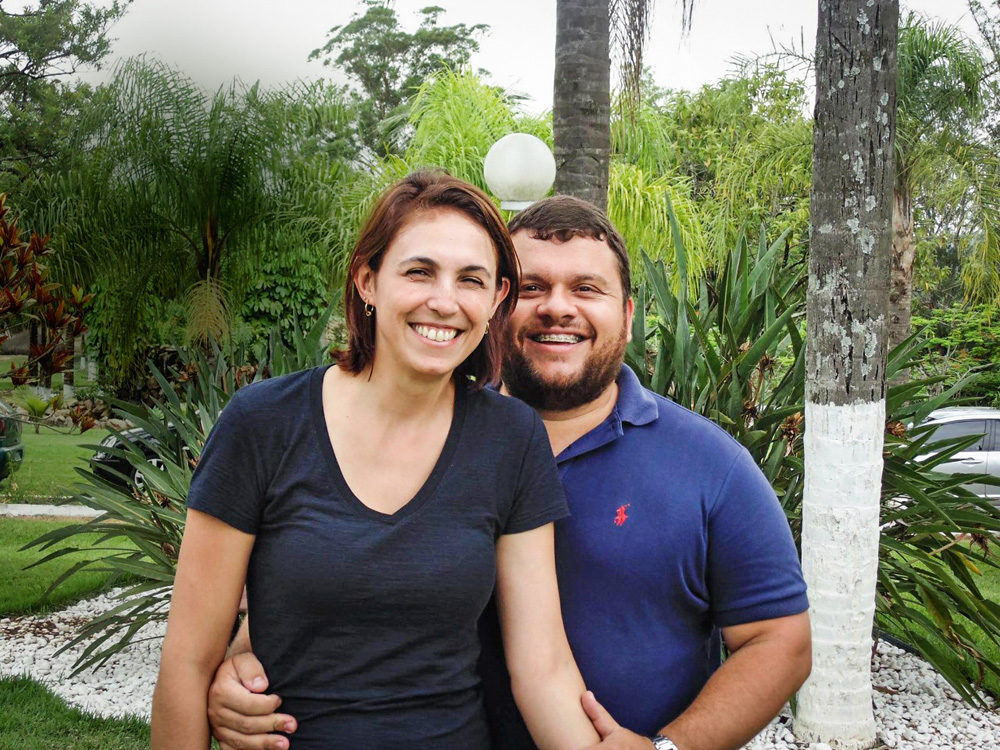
(674, 533)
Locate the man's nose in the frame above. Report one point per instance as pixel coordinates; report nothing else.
(557, 304)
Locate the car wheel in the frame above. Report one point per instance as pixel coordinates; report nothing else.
(139, 480)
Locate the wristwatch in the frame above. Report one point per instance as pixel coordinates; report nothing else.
(662, 743)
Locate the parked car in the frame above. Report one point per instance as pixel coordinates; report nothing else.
(105, 463)
(983, 456)
(11, 447)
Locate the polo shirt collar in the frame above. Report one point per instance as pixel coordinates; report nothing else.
(635, 405)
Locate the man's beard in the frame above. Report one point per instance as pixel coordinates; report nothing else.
(525, 382)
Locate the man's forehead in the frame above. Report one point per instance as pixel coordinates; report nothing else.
(578, 254)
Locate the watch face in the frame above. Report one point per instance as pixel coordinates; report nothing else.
(663, 743)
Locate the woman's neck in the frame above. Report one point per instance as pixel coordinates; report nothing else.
(398, 397)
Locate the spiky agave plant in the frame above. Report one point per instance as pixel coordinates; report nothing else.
(731, 349)
(147, 517)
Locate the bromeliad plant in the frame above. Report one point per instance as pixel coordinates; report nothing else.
(148, 517)
(731, 349)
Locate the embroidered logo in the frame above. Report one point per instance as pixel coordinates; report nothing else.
(621, 516)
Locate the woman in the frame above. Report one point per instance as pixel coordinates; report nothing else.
(370, 505)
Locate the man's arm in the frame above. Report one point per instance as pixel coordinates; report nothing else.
(240, 716)
(769, 661)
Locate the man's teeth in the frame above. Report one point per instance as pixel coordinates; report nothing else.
(436, 334)
(558, 338)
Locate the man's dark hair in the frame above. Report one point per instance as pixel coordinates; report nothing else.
(562, 217)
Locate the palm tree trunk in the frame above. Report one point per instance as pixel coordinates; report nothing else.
(847, 303)
(69, 374)
(581, 101)
(904, 253)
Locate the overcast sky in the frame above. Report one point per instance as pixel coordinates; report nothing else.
(215, 40)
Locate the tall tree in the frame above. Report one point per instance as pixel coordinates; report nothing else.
(581, 100)
(40, 47)
(850, 245)
(389, 63)
(940, 106)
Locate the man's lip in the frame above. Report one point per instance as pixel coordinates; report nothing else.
(581, 337)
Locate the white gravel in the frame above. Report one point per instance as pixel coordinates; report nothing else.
(914, 707)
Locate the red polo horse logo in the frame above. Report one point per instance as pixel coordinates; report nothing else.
(621, 516)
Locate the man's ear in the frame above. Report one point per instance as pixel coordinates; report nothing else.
(629, 315)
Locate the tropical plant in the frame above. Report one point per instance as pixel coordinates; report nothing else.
(37, 407)
(731, 347)
(176, 194)
(149, 515)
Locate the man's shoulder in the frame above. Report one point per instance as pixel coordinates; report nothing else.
(681, 423)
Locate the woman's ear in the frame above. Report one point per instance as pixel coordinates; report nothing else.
(364, 282)
(501, 295)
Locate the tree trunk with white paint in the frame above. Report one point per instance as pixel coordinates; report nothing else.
(581, 100)
(849, 271)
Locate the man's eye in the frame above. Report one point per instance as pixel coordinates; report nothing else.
(528, 288)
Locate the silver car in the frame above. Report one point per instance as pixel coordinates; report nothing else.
(983, 456)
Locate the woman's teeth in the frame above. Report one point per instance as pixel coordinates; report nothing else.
(436, 334)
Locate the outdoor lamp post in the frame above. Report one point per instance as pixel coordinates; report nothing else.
(519, 169)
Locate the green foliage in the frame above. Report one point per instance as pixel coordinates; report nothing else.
(40, 47)
(146, 521)
(388, 63)
(959, 340)
(35, 719)
(730, 348)
(289, 289)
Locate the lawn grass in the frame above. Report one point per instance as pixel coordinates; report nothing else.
(48, 469)
(21, 590)
(34, 719)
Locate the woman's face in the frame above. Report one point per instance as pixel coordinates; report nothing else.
(434, 293)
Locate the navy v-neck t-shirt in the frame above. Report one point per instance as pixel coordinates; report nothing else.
(366, 622)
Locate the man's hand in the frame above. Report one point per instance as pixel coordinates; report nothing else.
(613, 736)
(240, 715)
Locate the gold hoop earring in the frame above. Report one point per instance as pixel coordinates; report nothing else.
(369, 309)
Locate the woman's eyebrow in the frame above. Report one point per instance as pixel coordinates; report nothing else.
(423, 260)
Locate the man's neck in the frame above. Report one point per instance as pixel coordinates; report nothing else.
(566, 427)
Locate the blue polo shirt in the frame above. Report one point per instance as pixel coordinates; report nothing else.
(673, 533)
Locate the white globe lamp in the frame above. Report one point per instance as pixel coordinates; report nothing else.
(519, 169)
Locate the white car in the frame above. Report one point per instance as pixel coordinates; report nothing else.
(983, 456)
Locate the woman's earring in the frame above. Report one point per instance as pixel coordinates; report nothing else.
(487, 328)
(369, 309)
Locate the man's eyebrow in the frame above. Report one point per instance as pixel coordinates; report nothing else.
(582, 278)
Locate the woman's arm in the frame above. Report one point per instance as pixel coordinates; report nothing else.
(211, 569)
(544, 677)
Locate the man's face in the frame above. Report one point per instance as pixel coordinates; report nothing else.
(566, 338)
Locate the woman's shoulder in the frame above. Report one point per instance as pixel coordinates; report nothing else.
(281, 393)
(494, 410)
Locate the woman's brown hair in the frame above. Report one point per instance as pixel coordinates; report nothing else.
(418, 193)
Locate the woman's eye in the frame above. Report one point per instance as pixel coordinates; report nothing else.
(473, 280)
(417, 272)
